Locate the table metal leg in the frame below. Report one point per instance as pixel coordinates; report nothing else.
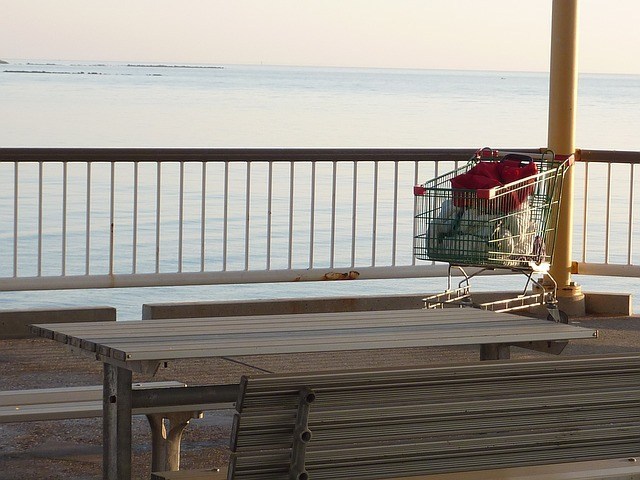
(165, 453)
(158, 442)
(116, 435)
(177, 423)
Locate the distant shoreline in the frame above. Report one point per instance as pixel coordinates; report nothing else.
(172, 66)
(131, 65)
(54, 73)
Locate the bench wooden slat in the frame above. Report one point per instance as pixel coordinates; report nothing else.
(50, 395)
(616, 469)
(62, 394)
(51, 411)
(89, 409)
(400, 422)
(80, 402)
(206, 474)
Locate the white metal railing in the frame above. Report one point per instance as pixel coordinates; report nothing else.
(83, 218)
(606, 227)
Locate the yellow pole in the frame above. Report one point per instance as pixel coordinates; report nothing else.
(561, 135)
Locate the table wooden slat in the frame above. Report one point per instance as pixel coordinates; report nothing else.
(167, 339)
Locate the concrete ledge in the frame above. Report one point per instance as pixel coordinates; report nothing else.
(608, 303)
(14, 323)
(279, 306)
(596, 303)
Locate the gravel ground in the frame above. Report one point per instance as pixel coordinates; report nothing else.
(71, 449)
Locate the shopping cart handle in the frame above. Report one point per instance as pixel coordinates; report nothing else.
(570, 159)
(419, 190)
(487, 152)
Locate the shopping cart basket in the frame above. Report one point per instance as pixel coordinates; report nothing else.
(499, 211)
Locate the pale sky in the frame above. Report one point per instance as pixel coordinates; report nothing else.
(440, 34)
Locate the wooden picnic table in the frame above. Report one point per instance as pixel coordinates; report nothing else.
(142, 346)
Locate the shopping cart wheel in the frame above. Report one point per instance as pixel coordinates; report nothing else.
(558, 316)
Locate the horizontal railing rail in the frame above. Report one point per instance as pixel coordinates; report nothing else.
(115, 155)
(92, 217)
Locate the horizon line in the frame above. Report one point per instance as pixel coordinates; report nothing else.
(285, 65)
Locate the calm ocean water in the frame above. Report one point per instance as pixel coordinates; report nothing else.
(74, 104)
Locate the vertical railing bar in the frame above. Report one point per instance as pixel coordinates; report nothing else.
(40, 192)
(607, 216)
(88, 220)
(312, 213)
(158, 206)
(225, 218)
(353, 213)
(65, 187)
(247, 216)
(332, 241)
(203, 216)
(15, 218)
(134, 246)
(394, 235)
(374, 209)
(180, 216)
(585, 212)
(416, 181)
(632, 167)
(112, 226)
(269, 212)
(291, 195)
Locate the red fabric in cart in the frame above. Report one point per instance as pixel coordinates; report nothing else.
(513, 170)
(487, 175)
(482, 175)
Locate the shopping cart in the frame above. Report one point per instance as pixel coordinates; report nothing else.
(499, 211)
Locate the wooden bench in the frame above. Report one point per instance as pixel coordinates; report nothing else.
(167, 423)
(489, 420)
